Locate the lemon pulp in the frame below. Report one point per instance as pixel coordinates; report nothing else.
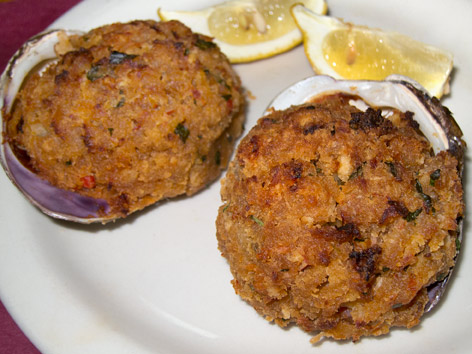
(251, 22)
(356, 54)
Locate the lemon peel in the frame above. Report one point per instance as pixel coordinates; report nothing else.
(247, 30)
(347, 51)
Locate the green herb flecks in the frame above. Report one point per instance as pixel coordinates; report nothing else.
(338, 180)
(118, 57)
(204, 45)
(458, 244)
(257, 220)
(95, 73)
(428, 203)
(319, 171)
(120, 103)
(221, 81)
(226, 97)
(434, 176)
(182, 131)
(357, 173)
(411, 216)
(393, 169)
(418, 186)
(105, 67)
(68, 162)
(110, 130)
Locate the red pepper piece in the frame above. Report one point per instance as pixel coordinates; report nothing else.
(88, 181)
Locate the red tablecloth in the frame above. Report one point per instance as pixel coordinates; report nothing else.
(19, 20)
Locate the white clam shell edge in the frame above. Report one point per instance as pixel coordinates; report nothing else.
(389, 93)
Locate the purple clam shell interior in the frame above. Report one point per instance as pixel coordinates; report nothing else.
(52, 200)
(435, 292)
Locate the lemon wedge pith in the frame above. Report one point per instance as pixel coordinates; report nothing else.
(247, 30)
(346, 51)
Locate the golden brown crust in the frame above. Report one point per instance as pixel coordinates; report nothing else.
(131, 113)
(337, 220)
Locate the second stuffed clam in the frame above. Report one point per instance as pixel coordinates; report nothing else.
(343, 207)
(117, 118)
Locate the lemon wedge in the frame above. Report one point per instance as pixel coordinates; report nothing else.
(247, 30)
(346, 51)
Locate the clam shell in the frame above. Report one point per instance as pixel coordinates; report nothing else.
(404, 94)
(36, 54)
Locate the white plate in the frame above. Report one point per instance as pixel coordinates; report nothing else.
(155, 282)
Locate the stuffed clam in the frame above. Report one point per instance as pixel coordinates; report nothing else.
(101, 124)
(343, 207)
